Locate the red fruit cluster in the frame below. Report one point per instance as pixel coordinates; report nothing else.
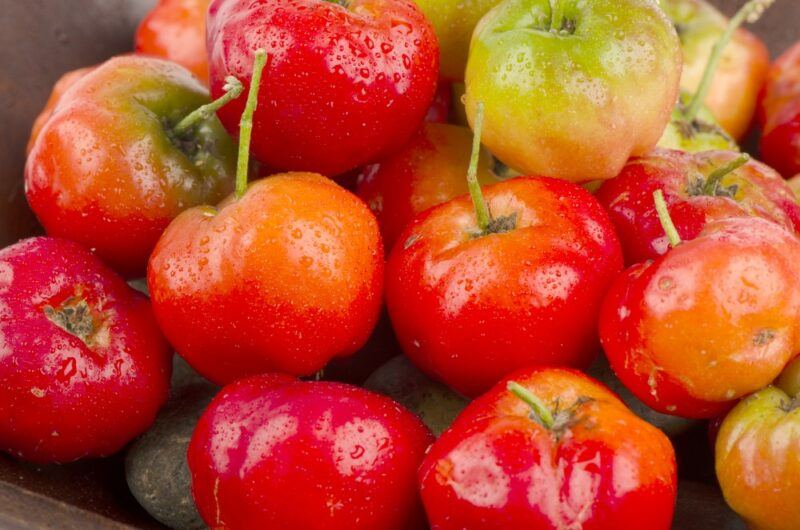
(498, 286)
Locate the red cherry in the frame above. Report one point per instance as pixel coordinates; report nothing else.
(271, 452)
(507, 277)
(779, 114)
(83, 366)
(780, 146)
(344, 84)
(549, 448)
(427, 171)
(698, 188)
(176, 30)
(283, 276)
(713, 320)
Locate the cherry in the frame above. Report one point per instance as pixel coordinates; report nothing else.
(511, 276)
(712, 320)
(549, 448)
(273, 452)
(427, 171)
(779, 114)
(698, 188)
(284, 275)
(129, 146)
(348, 82)
(83, 366)
(176, 30)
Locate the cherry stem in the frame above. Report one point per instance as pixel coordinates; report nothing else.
(541, 413)
(556, 15)
(246, 123)
(718, 174)
(749, 12)
(233, 89)
(666, 220)
(481, 208)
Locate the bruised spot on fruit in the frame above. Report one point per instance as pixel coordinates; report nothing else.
(75, 317)
(666, 283)
(764, 337)
(413, 238)
(791, 405)
(444, 469)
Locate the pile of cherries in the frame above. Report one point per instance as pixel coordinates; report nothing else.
(609, 133)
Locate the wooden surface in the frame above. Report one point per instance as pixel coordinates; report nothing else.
(41, 39)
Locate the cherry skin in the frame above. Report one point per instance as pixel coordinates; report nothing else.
(779, 114)
(756, 455)
(711, 321)
(176, 30)
(344, 85)
(471, 307)
(693, 200)
(693, 126)
(562, 462)
(62, 85)
(271, 452)
(427, 171)
(284, 279)
(109, 169)
(83, 366)
(732, 96)
(573, 89)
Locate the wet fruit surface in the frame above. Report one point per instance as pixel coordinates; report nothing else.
(106, 170)
(585, 86)
(502, 466)
(709, 322)
(283, 279)
(176, 30)
(62, 85)
(343, 85)
(469, 308)
(694, 195)
(779, 114)
(271, 452)
(427, 171)
(756, 455)
(742, 70)
(83, 366)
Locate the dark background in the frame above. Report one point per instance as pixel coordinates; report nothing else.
(40, 40)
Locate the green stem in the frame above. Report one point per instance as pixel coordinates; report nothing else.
(666, 220)
(233, 89)
(481, 208)
(556, 15)
(718, 174)
(540, 410)
(246, 123)
(750, 12)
